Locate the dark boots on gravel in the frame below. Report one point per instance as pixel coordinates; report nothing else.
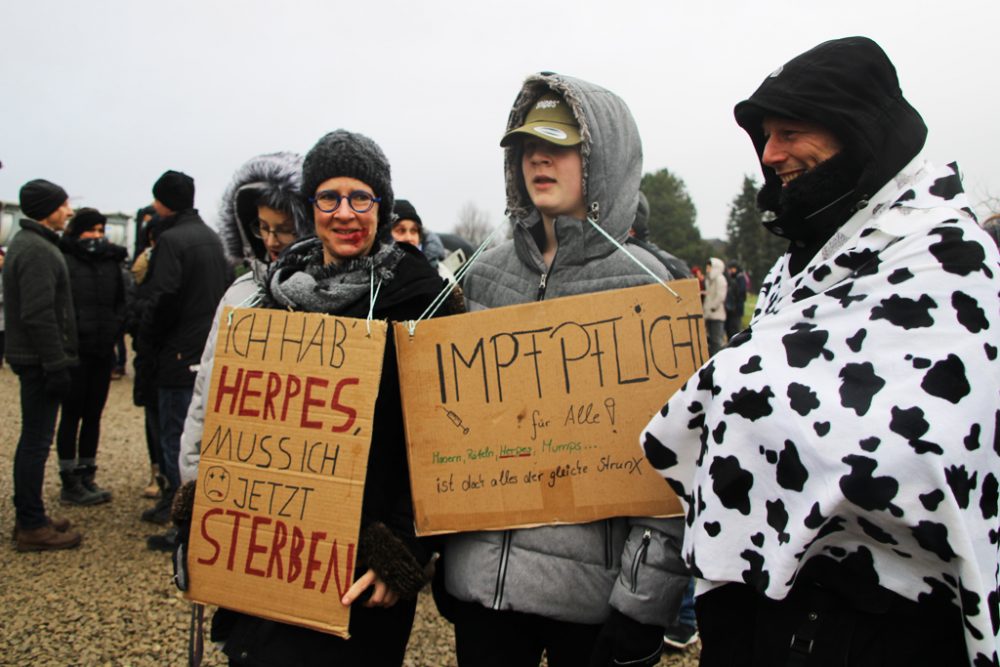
(165, 542)
(75, 493)
(160, 512)
(46, 538)
(87, 474)
(60, 524)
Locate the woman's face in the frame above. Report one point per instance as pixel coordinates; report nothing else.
(406, 231)
(345, 233)
(95, 232)
(277, 230)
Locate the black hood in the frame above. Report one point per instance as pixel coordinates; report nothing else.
(850, 87)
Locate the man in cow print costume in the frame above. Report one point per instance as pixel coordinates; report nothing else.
(839, 462)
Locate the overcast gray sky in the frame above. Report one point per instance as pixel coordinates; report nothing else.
(103, 96)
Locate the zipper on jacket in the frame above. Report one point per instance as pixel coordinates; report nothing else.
(640, 557)
(609, 557)
(541, 287)
(502, 569)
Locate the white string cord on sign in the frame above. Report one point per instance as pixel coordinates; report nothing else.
(432, 308)
(440, 298)
(249, 302)
(632, 257)
(372, 295)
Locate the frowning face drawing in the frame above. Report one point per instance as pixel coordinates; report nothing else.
(216, 483)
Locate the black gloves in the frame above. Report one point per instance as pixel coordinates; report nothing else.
(58, 384)
(623, 641)
(395, 565)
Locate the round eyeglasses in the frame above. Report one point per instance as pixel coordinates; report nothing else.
(328, 201)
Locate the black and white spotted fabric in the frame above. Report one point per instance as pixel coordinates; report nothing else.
(858, 415)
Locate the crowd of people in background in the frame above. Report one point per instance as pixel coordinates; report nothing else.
(795, 548)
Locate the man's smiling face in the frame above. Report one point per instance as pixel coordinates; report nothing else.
(794, 147)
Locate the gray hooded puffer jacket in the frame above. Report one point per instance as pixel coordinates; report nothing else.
(273, 180)
(572, 572)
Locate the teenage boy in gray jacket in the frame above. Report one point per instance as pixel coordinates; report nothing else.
(586, 593)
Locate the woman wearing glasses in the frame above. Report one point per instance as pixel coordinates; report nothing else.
(346, 179)
(262, 212)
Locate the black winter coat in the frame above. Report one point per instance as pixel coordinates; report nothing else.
(96, 279)
(37, 301)
(187, 276)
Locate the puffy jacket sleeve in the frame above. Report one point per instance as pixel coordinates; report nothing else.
(194, 423)
(653, 577)
(38, 279)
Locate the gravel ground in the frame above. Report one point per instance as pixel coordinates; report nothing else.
(110, 601)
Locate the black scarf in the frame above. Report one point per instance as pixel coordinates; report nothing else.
(811, 208)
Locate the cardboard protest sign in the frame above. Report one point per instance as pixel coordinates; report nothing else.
(531, 414)
(284, 454)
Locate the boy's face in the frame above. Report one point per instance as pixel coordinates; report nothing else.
(553, 176)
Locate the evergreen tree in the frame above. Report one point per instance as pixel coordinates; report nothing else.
(672, 217)
(750, 244)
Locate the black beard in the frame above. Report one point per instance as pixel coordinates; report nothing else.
(819, 186)
(811, 207)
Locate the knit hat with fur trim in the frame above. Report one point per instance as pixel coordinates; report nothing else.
(343, 153)
(175, 190)
(40, 198)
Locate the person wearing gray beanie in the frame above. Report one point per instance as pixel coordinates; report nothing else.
(343, 153)
(348, 271)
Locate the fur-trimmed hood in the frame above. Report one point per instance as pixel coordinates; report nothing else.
(612, 161)
(272, 179)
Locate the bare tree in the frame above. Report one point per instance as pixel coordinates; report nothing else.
(989, 204)
(474, 224)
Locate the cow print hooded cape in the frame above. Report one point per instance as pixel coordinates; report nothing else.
(857, 416)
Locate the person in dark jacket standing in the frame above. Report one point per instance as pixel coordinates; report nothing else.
(639, 235)
(144, 393)
(736, 298)
(99, 300)
(187, 276)
(41, 348)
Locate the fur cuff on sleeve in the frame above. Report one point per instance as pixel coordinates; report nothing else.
(392, 561)
(183, 506)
